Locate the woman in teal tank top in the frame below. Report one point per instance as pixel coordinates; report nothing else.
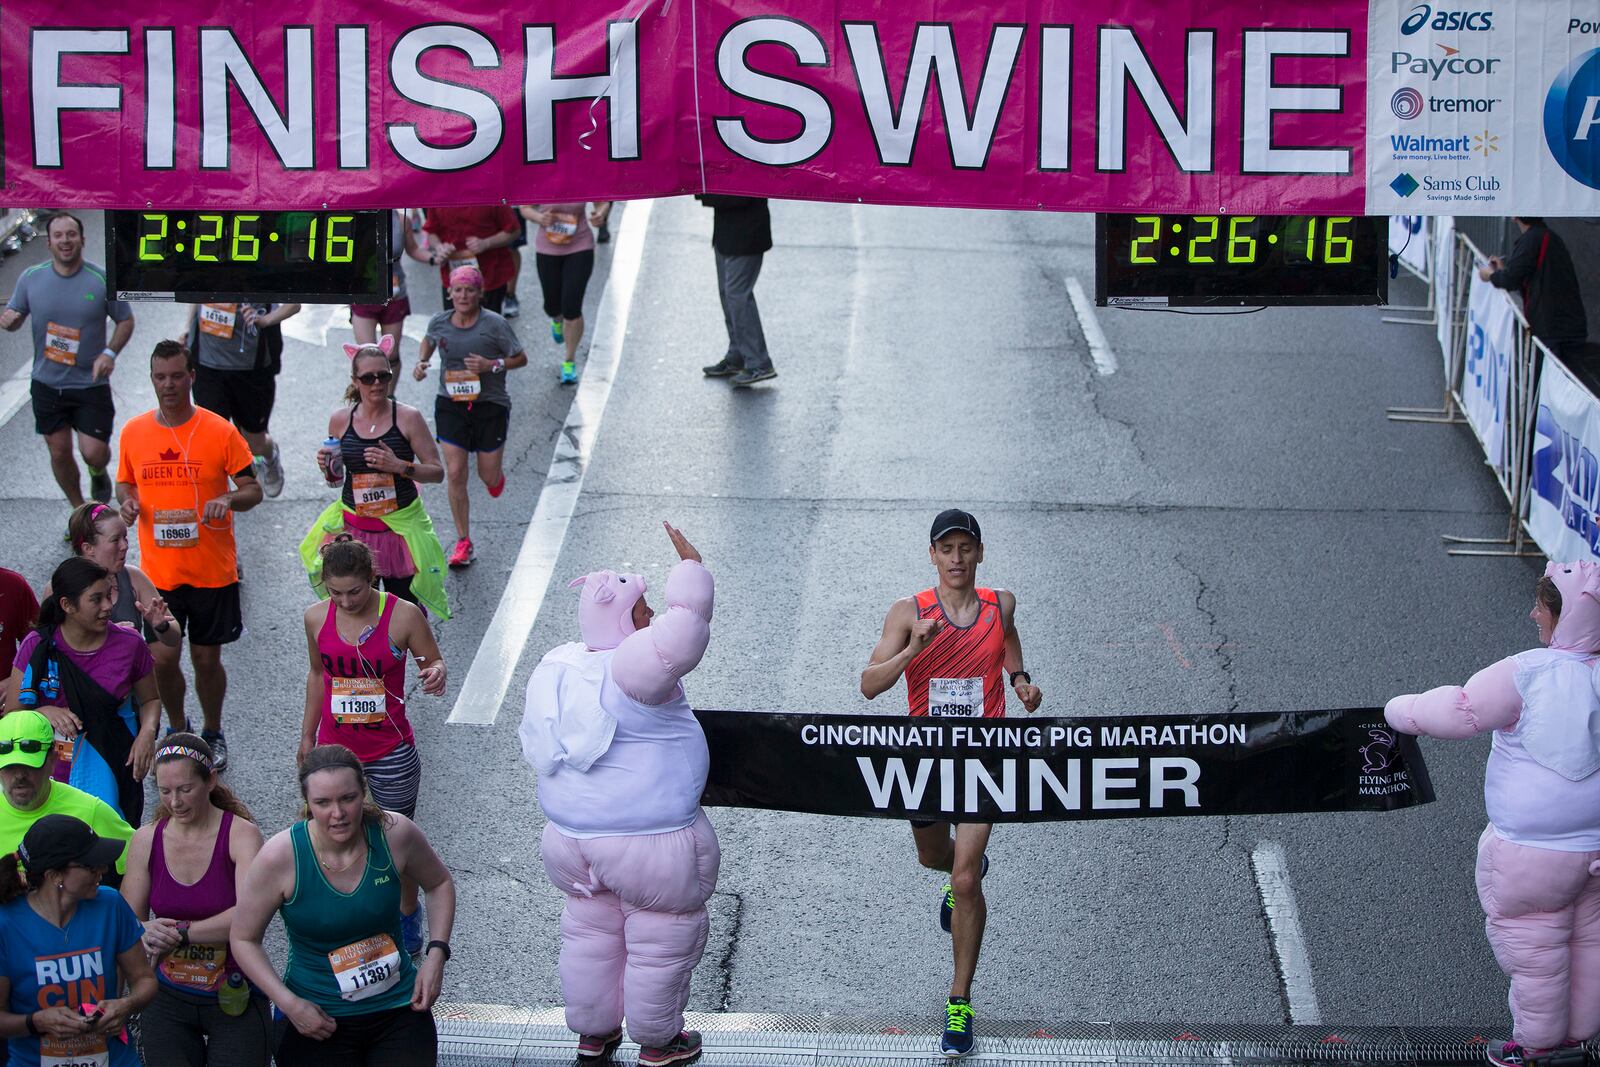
(350, 993)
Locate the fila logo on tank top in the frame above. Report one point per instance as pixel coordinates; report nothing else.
(961, 672)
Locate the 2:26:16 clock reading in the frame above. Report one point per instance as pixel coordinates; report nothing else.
(1241, 239)
(214, 237)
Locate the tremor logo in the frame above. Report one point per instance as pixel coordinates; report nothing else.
(1406, 103)
(1571, 116)
(1424, 16)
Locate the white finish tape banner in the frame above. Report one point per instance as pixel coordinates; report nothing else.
(1484, 381)
(1566, 474)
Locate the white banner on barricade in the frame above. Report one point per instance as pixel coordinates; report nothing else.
(1566, 473)
(1490, 330)
(1444, 284)
(1408, 239)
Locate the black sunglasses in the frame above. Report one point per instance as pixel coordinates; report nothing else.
(27, 744)
(375, 377)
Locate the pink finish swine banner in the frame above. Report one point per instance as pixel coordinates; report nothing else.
(1222, 106)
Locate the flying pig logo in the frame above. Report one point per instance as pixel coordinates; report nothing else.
(1379, 755)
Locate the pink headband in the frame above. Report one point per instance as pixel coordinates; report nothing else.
(467, 276)
(385, 345)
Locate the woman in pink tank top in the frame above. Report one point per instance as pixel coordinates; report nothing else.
(359, 640)
(184, 869)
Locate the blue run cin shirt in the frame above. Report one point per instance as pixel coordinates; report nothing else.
(49, 967)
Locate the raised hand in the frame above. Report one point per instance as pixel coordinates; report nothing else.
(681, 543)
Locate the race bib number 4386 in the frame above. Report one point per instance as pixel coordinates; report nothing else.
(961, 697)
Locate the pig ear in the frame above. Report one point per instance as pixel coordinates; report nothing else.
(577, 581)
(386, 344)
(350, 350)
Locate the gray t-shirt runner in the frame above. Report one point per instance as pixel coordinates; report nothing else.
(490, 337)
(69, 321)
(221, 340)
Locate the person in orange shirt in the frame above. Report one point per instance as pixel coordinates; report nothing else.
(174, 466)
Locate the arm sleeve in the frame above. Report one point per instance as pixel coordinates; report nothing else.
(1519, 267)
(129, 928)
(19, 296)
(1489, 701)
(124, 461)
(649, 663)
(105, 822)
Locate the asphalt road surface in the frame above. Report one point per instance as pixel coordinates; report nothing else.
(1225, 521)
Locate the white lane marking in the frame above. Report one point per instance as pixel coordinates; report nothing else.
(14, 391)
(1105, 360)
(1288, 939)
(487, 680)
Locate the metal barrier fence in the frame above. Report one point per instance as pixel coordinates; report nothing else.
(1449, 289)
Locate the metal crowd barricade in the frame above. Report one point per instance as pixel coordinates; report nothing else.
(1453, 278)
(1428, 275)
(16, 227)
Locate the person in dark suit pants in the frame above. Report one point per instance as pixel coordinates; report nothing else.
(741, 232)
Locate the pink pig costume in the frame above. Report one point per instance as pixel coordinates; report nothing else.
(1539, 858)
(622, 763)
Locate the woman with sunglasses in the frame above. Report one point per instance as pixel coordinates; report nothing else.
(95, 682)
(359, 640)
(384, 449)
(187, 869)
(68, 942)
(98, 533)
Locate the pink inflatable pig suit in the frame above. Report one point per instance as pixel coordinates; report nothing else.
(1539, 858)
(622, 762)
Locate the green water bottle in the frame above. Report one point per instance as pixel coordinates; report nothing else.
(234, 996)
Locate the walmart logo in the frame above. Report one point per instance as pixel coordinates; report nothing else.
(1405, 184)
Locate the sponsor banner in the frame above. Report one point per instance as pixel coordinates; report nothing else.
(1484, 107)
(1485, 379)
(1194, 106)
(1565, 497)
(1036, 769)
(1408, 239)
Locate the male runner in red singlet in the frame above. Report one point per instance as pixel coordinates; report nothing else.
(958, 647)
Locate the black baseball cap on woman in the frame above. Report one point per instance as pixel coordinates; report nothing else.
(56, 841)
(954, 520)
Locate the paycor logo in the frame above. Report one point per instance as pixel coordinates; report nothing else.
(1453, 62)
(1572, 119)
(1423, 15)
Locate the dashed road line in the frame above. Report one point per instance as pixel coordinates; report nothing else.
(1105, 360)
(1271, 869)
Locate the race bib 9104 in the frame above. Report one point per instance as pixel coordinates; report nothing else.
(374, 494)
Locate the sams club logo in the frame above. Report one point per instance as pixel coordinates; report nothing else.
(1406, 103)
(1571, 116)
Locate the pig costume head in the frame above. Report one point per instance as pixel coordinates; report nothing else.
(1578, 626)
(605, 607)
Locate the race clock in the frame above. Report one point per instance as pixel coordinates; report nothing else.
(1240, 260)
(311, 256)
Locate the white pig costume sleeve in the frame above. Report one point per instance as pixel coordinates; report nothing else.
(622, 762)
(1538, 869)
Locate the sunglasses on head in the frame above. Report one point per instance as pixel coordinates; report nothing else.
(375, 377)
(27, 744)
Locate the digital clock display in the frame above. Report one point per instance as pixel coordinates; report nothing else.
(311, 256)
(1240, 260)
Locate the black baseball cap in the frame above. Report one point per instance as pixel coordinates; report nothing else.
(954, 520)
(56, 841)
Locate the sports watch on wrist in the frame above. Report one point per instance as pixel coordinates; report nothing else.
(1020, 674)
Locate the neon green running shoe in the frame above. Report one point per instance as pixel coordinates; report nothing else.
(958, 1037)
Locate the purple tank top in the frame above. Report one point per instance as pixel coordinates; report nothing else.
(196, 968)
